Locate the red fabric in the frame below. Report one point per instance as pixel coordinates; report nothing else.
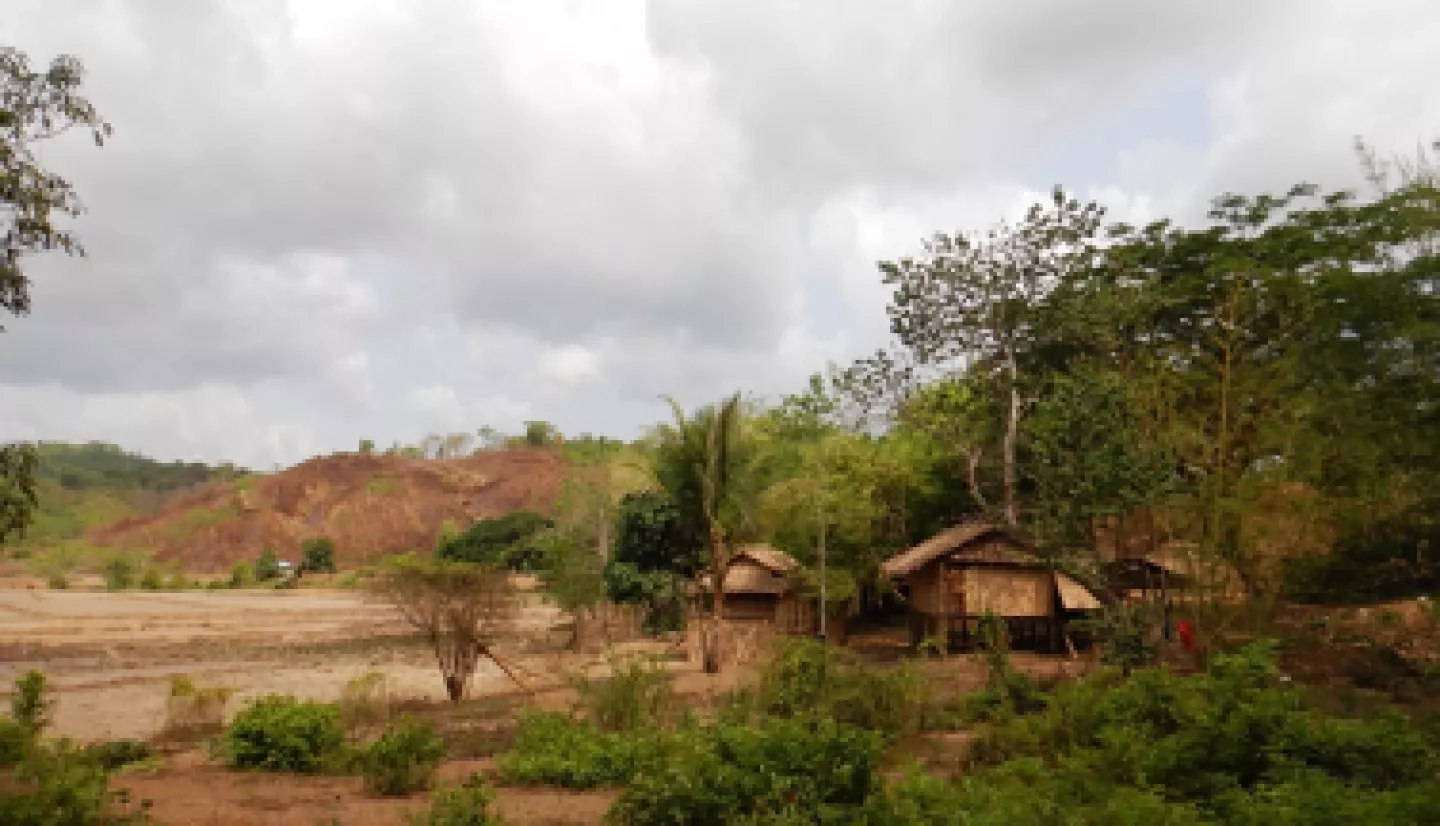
(1187, 635)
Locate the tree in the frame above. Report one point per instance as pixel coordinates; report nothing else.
(461, 609)
(318, 556)
(541, 434)
(506, 541)
(700, 464)
(34, 106)
(37, 106)
(18, 465)
(970, 301)
(367, 446)
(267, 567)
(573, 575)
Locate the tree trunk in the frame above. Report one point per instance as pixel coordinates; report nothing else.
(1012, 431)
(710, 641)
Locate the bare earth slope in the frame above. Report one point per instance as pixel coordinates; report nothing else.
(371, 506)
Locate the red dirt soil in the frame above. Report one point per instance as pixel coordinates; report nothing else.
(371, 506)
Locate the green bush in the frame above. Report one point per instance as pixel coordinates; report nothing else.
(403, 759)
(807, 676)
(281, 733)
(15, 742)
(30, 706)
(58, 784)
(150, 580)
(317, 556)
(267, 566)
(806, 764)
(1222, 743)
(119, 573)
(638, 692)
(558, 750)
(468, 804)
(114, 754)
(241, 575)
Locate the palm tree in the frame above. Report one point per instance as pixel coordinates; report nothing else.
(698, 463)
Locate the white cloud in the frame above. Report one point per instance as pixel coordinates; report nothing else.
(322, 221)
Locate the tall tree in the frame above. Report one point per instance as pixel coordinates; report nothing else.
(969, 301)
(700, 463)
(35, 106)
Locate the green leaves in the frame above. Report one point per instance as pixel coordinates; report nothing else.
(18, 465)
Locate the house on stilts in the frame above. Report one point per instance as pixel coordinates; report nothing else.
(959, 575)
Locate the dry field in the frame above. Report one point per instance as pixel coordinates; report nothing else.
(110, 657)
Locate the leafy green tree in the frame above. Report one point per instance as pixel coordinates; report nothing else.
(507, 540)
(318, 555)
(367, 446)
(17, 489)
(267, 566)
(37, 105)
(970, 300)
(701, 463)
(541, 434)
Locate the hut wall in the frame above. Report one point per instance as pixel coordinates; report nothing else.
(1009, 592)
(925, 588)
(750, 607)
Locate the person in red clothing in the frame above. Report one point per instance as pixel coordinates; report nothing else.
(1187, 634)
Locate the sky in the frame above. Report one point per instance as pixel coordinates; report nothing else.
(321, 221)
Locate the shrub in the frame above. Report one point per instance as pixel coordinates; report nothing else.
(365, 701)
(558, 750)
(404, 759)
(15, 742)
(317, 556)
(194, 713)
(114, 754)
(150, 580)
(58, 784)
(267, 566)
(638, 692)
(808, 676)
(467, 804)
(1221, 742)
(241, 575)
(281, 733)
(119, 573)
(807, 764)
(30, 706)
(57, 581)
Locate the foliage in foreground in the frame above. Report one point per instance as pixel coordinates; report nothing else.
(468, 804)
(404, 758)
(55, 782)
(280, 733)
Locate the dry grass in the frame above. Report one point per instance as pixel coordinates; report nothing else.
(193, 713)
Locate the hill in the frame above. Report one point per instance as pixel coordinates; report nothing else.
(82, 486)
(369, 505)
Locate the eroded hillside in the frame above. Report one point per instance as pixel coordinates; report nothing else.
(371, 506)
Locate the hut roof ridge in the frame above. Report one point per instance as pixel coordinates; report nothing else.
(944, 542)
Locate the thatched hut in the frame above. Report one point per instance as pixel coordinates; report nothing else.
(974, 568)
(760, 586)
(1174, 570)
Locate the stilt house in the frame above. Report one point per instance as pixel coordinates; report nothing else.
(954, 578)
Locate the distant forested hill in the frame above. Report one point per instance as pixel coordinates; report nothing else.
(85, 485)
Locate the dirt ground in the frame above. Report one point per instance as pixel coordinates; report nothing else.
(110, 657)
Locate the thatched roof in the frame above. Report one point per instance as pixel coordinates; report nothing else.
(1073, 595)
(767, 557)
(955, 539)
(756, 569)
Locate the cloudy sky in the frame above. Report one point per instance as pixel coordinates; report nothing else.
(327, 220)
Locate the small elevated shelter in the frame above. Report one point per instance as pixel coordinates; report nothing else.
(1174, 570)
(759, 585)
(960, 574)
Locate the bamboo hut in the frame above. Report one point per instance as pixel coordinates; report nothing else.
(1175, 570)
(760, 587)
(974, 568)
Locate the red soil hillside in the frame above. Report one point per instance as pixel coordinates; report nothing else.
(371, 506)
